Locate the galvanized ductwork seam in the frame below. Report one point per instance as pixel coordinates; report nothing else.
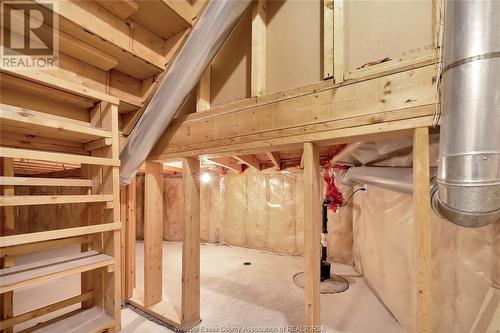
(468, 190)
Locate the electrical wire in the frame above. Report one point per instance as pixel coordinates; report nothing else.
(350, 197)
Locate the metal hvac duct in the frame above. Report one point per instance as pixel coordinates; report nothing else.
(468, 191)
(394, 179)
(212, 29)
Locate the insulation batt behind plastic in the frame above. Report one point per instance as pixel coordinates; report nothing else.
(208, 35)
(465, 261)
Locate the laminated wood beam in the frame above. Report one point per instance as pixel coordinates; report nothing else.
(28, 200)
(275, 159)
(153, 225)
(42, 236)
(31, 122)
(56, 157)
(121, 8)
(190, 301)
(312, 232)
(422, 212)
(397, 101)
(33, 181)
(61, 84)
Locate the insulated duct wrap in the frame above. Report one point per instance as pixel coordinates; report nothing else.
(469, 153)
(207, 37)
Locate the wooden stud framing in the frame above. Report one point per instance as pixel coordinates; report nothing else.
(312, 232)
(190, 308)
(153, 223)
(249, 160)
(327, 39)
(130, 239)
(422, 211)
(338, 40)
(203, 92)
(8, 227)
(259, 40)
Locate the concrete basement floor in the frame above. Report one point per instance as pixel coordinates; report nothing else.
(261, 294)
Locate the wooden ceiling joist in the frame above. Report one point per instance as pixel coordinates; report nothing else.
(249, 160)
(226, 162)
(275, 159)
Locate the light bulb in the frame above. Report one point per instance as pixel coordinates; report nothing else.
(206, 178)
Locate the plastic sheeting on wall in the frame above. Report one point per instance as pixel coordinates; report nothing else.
(261, 210)
(464, 260)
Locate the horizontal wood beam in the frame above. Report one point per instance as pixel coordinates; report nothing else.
(31, 122)
(33, 181)
(44, 246)
(28, 200)
(323, 114)
(61, 84)
(56, 157)
(42, 236)
(182, 8)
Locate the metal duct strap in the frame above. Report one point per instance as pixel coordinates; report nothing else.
(468, 191)
(214, 26)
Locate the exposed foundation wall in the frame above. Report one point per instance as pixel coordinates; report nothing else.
(465, 262)
(256, 210)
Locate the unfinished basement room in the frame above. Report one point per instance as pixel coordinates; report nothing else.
(250, 166)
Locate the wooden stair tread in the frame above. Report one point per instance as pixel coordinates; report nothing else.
(31, 122)
(86, 321)
(43, 271)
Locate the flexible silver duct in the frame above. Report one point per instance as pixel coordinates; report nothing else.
(394, 179)
(468, 191)
(207, 37)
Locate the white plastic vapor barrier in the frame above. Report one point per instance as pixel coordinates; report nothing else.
(212, 29)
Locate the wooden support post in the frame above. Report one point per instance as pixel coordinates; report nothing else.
(422, 211)
(327, 39)
(259, 41)
(130, 239)
(190, 308)
(123, 216)
(153, 231)
(8, 227)
(312, 233)
(203, 92)
(338, 40)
